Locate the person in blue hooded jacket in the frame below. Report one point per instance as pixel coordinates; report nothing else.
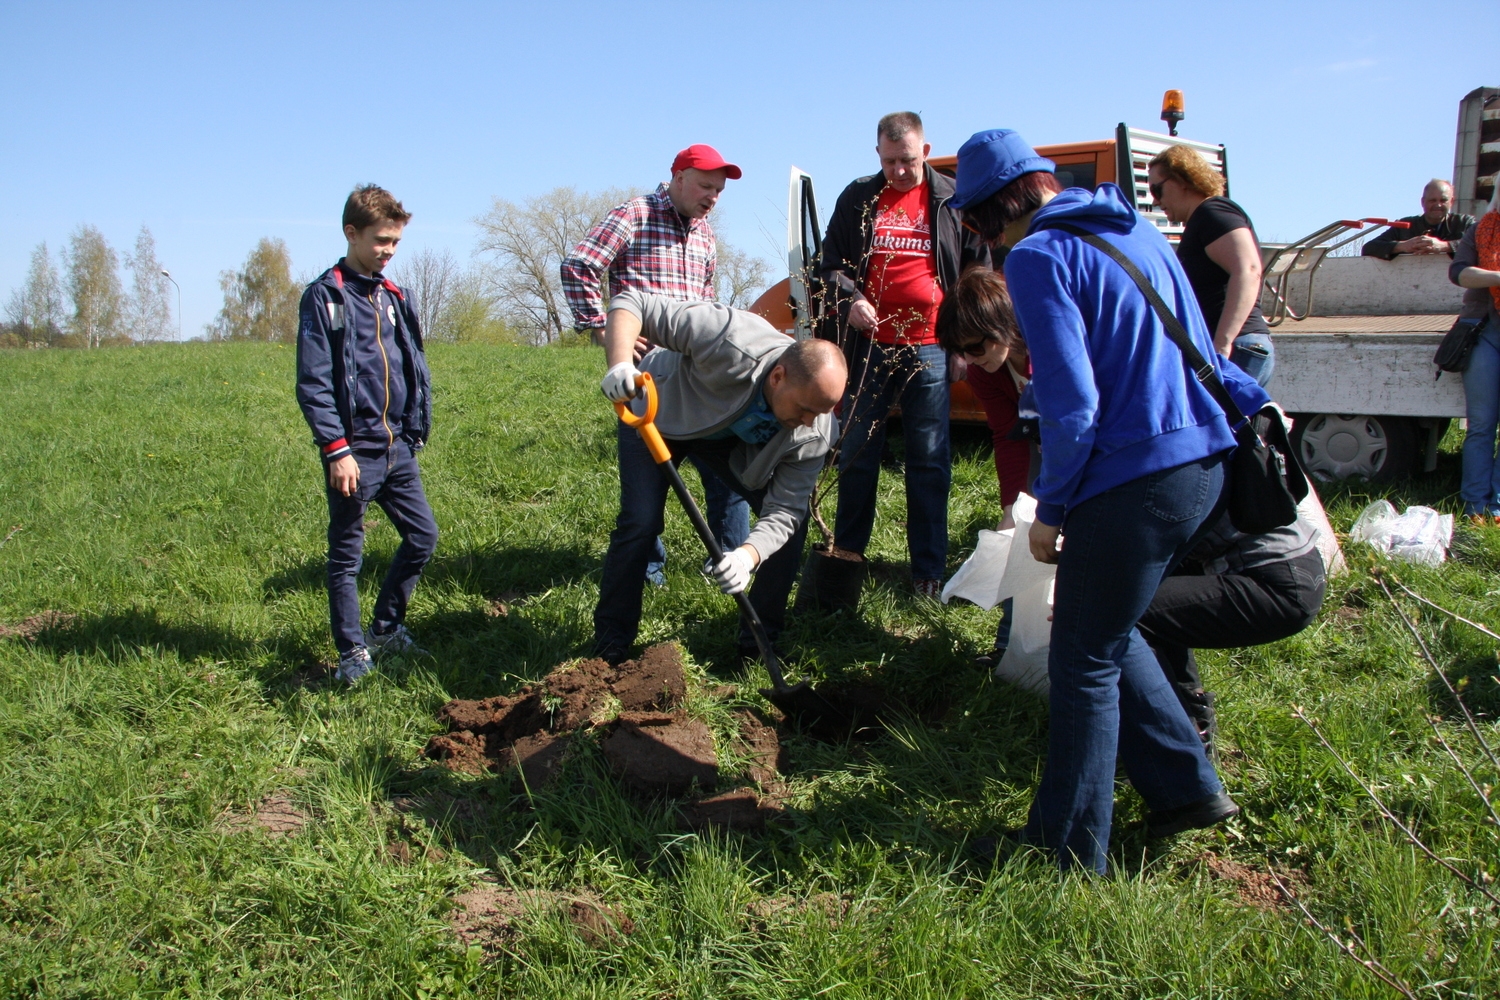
(1133, 454)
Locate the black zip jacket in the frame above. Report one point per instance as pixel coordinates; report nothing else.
(840, 275)
(1451, 229)
(328, 369)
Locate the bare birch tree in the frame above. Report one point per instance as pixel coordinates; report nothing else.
(260, 302)
(432, 279)
(527, 242)
(35, 309)
(738, 277)
(150, 306)
(92, 281)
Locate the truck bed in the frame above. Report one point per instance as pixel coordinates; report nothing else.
(1364, 364)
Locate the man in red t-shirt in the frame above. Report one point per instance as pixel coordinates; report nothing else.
(892, 249)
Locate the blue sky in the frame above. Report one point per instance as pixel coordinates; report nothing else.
(216, 124)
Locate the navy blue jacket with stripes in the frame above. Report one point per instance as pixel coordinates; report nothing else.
(327, 372)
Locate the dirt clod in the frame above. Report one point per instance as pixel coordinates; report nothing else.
(1253, 886)
(740, 809)
(31, 628)
(276, 815)
(597, 923)
(539, 758)
(462, 751)
(654, 682)
(580, 693)
(657, 754)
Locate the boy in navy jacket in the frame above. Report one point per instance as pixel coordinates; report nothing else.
(363, 385)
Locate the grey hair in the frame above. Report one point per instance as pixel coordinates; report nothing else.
(897, 124)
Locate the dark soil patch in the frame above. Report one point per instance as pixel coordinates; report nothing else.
(539, 758)
(759, 742)
(31, 628)
(654, 753)
(578, 695)
(854, 711)
(275, 815)
(1253, 886)
(741, 809)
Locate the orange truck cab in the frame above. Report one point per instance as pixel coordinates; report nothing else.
(787, 305)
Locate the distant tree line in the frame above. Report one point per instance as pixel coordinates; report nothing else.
(78, 299)
(509, 292)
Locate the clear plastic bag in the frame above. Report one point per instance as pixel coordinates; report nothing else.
(1420, 535)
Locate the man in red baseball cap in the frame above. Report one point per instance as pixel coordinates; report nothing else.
(661, 242)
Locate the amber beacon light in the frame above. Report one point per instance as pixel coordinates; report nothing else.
(1171, 110)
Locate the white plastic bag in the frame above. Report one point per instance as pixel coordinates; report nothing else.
(1002, 566)
(1420, 535)
(1310, 510)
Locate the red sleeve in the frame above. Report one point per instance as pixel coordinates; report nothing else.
(998, 394)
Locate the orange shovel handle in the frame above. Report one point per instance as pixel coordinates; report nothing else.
(645, 425)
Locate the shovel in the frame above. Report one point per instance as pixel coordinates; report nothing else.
(799, 702)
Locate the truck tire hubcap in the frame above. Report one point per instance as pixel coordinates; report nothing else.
(1340, 446)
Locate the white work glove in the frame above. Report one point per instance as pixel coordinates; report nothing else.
(732, 574)
(619, 382)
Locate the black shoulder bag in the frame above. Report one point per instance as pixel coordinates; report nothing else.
(1457, 344)
(1265, 481)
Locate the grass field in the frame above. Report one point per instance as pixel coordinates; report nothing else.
(169, 498)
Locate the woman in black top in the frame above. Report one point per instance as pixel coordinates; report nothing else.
(1219, 252)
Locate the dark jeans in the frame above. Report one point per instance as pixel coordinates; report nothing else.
(727, 513)
(1109, 698)
(391, 480)
(1229, 611)
(1255, 355)
(917, 378)
(643, 499)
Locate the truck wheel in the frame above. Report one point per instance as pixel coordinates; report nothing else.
(1339, 446)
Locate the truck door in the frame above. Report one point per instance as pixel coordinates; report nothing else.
(788, 305)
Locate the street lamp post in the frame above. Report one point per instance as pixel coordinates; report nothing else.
(167, 274)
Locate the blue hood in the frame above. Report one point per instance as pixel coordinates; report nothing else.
(1104, 210)
(1115, 396)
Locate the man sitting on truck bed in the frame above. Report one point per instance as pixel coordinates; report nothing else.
(1436, 230)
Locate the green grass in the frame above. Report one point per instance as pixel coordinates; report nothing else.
(170, 498)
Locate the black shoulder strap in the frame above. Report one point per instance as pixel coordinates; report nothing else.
(1203, 370)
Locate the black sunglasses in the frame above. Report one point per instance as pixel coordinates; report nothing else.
(1156, 189)
(975, 349)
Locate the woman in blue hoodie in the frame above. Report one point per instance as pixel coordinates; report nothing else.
(1133, 461)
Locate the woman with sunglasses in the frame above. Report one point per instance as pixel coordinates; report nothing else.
(1220, 253)
(1132, 471)
(977, 324)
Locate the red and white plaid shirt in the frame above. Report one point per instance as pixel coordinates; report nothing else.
(643, 244)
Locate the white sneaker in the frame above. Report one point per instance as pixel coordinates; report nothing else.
(354, 664)
(397, 642)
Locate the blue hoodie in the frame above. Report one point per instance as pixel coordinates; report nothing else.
(1115, 396)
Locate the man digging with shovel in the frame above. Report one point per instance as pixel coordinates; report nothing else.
(746, 400)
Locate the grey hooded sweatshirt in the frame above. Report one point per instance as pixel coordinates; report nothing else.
(713, 359)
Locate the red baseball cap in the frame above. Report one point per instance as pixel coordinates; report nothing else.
(705, 157)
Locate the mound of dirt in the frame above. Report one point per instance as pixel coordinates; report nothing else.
(656, 753)
(487, 915)
(651, 745)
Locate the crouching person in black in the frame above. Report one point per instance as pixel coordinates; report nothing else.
(1232, 590)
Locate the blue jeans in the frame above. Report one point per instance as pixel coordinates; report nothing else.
(392, 480)
(1109, 697)
(917, 378)
(643, 499)
(727, 513)
(1255, 355)
(1480, 487)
